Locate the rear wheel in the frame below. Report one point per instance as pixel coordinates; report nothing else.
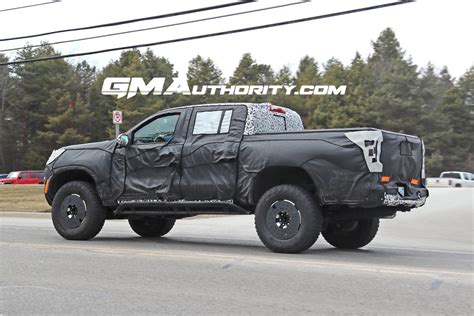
(77, 211)
(351, 234)
(151, 226)
(288, 219)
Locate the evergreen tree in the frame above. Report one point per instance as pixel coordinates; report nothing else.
(330, 110)
(357, 94)
(394, 82)
(284, 77)
(86, 75)
(249, 72)
(39, 87)
(308, 73)
(202, 71)
(72, 124)
(449, 144)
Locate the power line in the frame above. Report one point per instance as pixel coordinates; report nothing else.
(161, 26)
(29, 6)
(189, 38)
(155, 17)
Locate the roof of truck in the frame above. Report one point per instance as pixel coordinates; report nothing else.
(247, 104)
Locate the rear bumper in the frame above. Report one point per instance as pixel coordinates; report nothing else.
(412, 197)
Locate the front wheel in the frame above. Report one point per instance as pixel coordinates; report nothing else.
(351, 234)
(77, 211)
(151, 226)
(288, 219)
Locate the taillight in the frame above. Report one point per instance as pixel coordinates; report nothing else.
(385, 179)
(277, 109)
(415, 181)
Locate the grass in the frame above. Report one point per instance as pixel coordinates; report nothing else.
(22, 198)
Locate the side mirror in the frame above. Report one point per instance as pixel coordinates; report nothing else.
(122, 140)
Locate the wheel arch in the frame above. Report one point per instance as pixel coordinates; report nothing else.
(276, 175)
(65, 175)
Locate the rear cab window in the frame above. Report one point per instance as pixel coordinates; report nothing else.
(212, 122)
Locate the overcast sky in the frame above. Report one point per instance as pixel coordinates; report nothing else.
(429, 30)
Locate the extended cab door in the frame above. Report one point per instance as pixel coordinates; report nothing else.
(152, 159)
(209, 161)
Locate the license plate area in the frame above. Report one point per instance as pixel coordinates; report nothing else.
(402, 190)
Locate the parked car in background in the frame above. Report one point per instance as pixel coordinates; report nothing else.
(3, 175)
(24, 177)
(457, 179)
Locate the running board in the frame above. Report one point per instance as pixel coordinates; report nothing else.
(179, 208)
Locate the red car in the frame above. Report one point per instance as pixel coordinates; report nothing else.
(24, 177)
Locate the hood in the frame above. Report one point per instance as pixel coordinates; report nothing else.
(108, 145)
(73, 152)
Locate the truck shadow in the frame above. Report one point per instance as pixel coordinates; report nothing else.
(225, 245)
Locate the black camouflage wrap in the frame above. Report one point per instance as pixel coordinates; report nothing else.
(225, 167)
(335, 164)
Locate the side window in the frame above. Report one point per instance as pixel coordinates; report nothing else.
(451, 175)
(159, 130)
(212, 122)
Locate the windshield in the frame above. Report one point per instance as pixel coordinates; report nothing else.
(13, 175)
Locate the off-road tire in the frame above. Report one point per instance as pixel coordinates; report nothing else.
(151, 226)
(77, 211)
(305, 219)
(361, 234)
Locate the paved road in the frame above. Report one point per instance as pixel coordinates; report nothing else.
(421, 262)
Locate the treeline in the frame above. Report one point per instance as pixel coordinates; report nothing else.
(49, 104)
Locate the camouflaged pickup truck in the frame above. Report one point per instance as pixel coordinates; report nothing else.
(239, 159)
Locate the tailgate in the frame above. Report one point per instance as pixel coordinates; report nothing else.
(403, 170)
(395, 162)
(402, 157)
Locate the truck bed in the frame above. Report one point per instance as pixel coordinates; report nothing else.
(338, 166)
